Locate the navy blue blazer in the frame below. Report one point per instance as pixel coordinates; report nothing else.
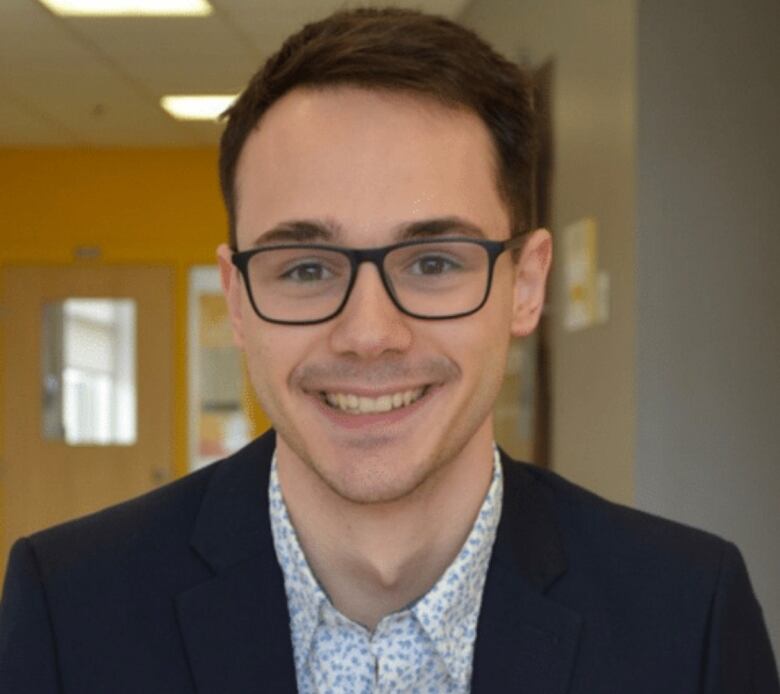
(179, 591)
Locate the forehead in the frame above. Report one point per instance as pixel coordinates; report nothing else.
(371, 160)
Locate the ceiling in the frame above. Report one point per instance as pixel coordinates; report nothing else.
(97, 81)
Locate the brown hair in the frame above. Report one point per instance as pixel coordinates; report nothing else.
(401, 50)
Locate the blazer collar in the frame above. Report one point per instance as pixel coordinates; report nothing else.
(528, 541)
(236, 625)
(525, 640)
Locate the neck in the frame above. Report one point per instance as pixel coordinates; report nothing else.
(375, 559)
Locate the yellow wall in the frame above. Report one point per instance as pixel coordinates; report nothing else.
(151, 206)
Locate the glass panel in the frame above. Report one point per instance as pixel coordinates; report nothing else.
(219, 423)
(89, 382)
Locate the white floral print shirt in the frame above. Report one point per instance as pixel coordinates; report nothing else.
(427, 647)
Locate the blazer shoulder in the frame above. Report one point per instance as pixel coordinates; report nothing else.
(593, 524)
(678, 595)
(158, 522)
(160, 516)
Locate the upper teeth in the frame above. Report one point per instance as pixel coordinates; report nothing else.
(358, 404)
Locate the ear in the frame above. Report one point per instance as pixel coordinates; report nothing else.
(233, 291)
(531, 271)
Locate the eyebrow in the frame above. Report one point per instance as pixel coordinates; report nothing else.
(300, 231)
(328, 230)
(438, 226)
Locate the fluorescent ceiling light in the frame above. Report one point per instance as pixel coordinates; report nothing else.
(129, 8)
(197, 107)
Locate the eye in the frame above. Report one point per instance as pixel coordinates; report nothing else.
(307, 272)
(433, 265)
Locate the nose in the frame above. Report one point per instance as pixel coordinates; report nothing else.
(370, 324)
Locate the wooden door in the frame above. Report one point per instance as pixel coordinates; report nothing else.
(49, 481)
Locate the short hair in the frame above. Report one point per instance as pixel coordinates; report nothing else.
(404, 51)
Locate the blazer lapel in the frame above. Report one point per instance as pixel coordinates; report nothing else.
(526, 642)
(236, 625)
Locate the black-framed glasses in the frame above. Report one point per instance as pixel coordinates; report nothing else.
(430, 279)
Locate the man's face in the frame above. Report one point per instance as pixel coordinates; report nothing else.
(364, 165)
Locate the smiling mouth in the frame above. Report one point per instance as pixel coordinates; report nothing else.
(359, 404)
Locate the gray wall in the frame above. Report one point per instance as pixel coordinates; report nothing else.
(593, 45)
(708, 271)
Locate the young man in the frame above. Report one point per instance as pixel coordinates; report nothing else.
(377, 174)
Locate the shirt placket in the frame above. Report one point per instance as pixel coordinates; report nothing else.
(341, 659)
(396, 654)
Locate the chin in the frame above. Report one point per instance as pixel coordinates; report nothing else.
(371, 480)
(373, 492)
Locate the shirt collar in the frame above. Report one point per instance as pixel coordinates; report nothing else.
(448, 612)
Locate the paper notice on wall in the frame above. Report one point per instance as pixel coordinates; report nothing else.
(580, 274)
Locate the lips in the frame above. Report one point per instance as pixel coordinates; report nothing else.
(360, 404)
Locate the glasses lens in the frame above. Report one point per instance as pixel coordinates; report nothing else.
(440, 278)
(298, 284)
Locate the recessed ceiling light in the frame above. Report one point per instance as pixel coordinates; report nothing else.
(197, 107)
(129, 8)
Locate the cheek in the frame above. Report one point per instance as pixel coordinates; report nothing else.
(478, 345)
(266, 357)
(261, 367)
(272, 353)
(483, 346)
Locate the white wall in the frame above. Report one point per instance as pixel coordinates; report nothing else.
(708, 270)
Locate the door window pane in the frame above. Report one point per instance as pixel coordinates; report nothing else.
(89, 365)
